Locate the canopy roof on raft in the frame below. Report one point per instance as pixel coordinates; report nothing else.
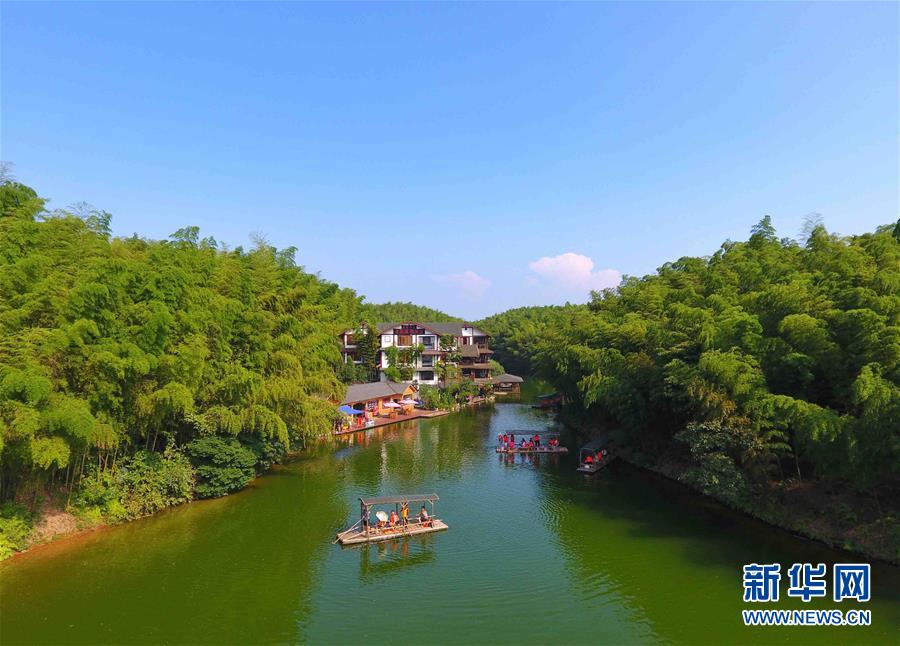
(593, 445)
(389, 500)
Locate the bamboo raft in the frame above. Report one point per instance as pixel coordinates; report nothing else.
(355, 536)
(528, 434)
(537, 449)
(359, 532)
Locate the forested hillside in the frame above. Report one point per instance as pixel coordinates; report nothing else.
(135, 372)
(397, 312)
(516, 332)
(769, 361)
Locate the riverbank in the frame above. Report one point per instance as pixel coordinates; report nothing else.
(813, 510)
(817, 510)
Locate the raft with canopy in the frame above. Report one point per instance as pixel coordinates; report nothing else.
(591, 449)
(379, 528)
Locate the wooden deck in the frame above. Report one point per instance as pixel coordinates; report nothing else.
(396, 419)
(542, 449)
(356, 536)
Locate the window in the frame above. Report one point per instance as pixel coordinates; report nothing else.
(427, 361)
(404, 340)
(428, 342)
(426, 375)
(350, 340)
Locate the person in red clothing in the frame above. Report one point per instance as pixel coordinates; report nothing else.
(537, 440)
(511, 445)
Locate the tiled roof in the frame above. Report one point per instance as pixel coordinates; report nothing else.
(438, 328)
(373, 390)
(507, 378)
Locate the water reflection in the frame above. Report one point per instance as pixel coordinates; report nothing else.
(673, 559)
(380, 560)
(535, 460)
(231, 570)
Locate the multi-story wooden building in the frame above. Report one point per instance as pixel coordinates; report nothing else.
(470, 343)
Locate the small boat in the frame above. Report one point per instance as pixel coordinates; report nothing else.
(364, 531)
(548, 447)
(549, 401)
(591, 449)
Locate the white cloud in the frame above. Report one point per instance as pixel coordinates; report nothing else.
(468, 282)
(574, 272)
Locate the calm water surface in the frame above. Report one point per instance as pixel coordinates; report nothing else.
(535, 553)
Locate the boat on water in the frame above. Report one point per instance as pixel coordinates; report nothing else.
(593, 456)
(529, 442)
(381, 526)
(549, 401)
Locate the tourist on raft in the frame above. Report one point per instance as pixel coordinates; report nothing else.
(423, 517)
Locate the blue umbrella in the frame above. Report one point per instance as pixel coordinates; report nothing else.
(346, 410)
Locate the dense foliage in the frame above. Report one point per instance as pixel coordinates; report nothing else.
(516, 332)
(223, 465)
(455, 393)
(768, 360)
(122, 358)
(397, 312)
(140, 484)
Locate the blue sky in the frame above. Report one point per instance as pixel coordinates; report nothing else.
(471, 157)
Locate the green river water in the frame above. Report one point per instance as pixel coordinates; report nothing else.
(535, 553)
